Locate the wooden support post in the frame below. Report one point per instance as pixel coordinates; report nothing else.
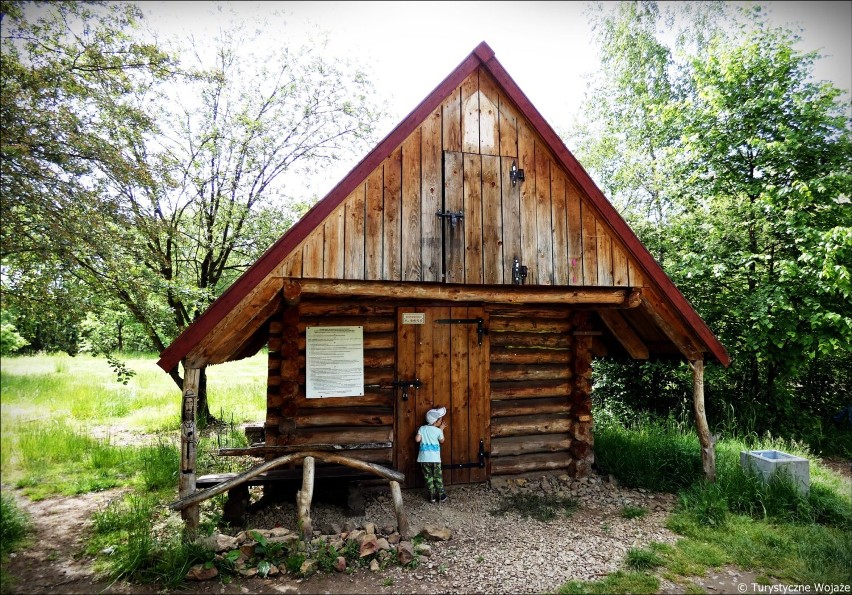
(304, 497)
(401, 517)
(708, 453)
(189, 449)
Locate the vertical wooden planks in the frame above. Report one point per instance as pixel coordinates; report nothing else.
(526, 162)
(489, 136)
(392, 261)
(575, 235)
(453, 203)
(469, 114)
(590, 259)
(510, 206)
(508, 127)
(451, 123)
(431, 187)
(312, 254)
(604, 255)
(472, 218)
(560, 229)
(407, 421)
(373, 227)
(333, 250)
(619, 265)
(635, 276)
(459, 390)
(479, 396)
(440, 372)
(492, 221)
(292, 265)
(354, 235)
(410, 207)
(543, 206)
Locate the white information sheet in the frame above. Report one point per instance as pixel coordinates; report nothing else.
(334, 361)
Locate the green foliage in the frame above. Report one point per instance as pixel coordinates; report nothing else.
(13, 525)
(643, 559)
(633, 512)
(129, 548)
(10, 340)
(734, 167)
(648, 454)
(540, 507)
(619, 582)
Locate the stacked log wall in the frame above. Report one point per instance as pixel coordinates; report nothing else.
(293, 419)
(537, 403)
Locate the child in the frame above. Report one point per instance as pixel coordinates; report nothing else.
(430, 437)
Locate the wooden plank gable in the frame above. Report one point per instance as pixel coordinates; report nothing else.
(453, 153)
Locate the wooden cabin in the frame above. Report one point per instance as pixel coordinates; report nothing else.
(468, 261)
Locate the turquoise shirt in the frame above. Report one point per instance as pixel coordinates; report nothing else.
(430, 445)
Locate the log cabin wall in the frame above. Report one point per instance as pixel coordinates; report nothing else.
(540, 391)
(293, 419)
(458, 160)
(538, 385)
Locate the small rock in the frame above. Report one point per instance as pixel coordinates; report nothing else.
(279, 532)
(405, 553)
(355, 535)
(370, 529)
(435, 533)
(394, 538)
(374, 566)
(369, 546)
(340, 564)
(308, 567)
(424, 549)
(248, 572)
(200, 573)
(382, 544)
(388, 530)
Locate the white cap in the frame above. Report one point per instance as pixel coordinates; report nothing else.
(434, 415)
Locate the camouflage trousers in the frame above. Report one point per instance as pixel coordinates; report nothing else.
(434, 478)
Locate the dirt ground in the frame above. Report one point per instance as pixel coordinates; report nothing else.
(54, 561)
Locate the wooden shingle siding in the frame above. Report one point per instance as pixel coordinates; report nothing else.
(458, 160)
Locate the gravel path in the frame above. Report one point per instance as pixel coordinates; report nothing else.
(500, 554)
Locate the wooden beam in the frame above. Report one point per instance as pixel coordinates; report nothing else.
(188, 450)
(229, 332)
(668, 324)
(621, 330)
(708, 453)
(401, 516)
(515, 294)
(304, 497)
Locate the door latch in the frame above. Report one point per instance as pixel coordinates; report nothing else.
(405, 385)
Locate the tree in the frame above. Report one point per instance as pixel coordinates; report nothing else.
(198, 194)
(772, 172)
(750, 160)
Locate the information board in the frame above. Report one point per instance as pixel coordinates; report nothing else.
(334, 361)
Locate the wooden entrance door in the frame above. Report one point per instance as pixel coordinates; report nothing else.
(446, 357)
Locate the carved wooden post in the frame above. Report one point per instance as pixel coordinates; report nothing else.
(188, 449)
(708, 453)
(304, 497)
(401, 517)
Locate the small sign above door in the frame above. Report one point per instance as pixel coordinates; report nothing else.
(413, 318)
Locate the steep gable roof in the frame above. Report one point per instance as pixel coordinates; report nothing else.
(254, 291)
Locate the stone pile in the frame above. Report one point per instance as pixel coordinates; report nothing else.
(246, 550)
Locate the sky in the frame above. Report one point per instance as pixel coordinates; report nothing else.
(409, 47)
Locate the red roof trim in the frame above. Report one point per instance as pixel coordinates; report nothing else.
(567, 159)
(482, 54)
(190, 337)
